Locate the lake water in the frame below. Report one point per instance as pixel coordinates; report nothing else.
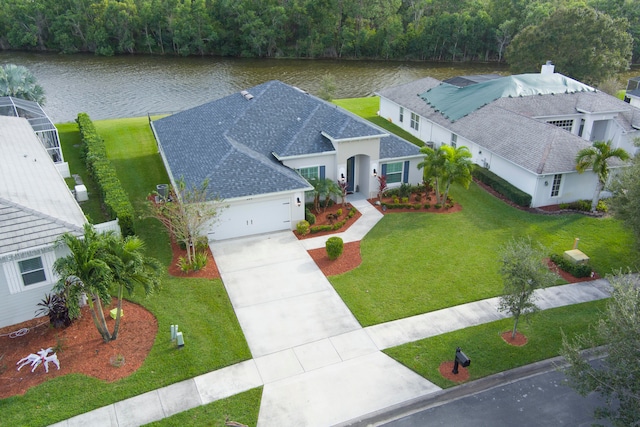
(128, 86)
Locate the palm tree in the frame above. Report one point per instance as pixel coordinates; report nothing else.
(323, 187)
(85, 272)
(130, 267)
(457, 167)
(596, 158)
(96, 263)
(432, 166)
(17, 81)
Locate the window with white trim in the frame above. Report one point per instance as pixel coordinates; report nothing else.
(32, 271)
(555, 187)
(415, 121)
(401, 114)
(394, 172)
(454, 140)
(309, 173)
(563, 124)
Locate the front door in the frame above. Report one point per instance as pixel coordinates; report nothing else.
(351, 174)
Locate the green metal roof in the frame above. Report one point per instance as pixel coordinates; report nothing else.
(456, 102)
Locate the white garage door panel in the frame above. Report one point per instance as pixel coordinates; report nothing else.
(253, 218)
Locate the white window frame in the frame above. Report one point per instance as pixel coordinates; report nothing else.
(562, 124)
(415, 121)
(401, 116)
(29, 273)
(454, 140)
(304, 172)
(394, 173)
(555, 185)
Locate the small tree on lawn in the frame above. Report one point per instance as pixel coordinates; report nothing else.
(186, 213)
(523, 271)
(618, 379)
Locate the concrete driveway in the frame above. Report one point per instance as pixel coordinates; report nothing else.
(317, 364)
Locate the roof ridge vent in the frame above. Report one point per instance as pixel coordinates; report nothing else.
(246, 95)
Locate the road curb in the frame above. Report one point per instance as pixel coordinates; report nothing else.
(442, 397)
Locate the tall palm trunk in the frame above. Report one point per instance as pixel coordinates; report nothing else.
(596, 196)
(116, 328)
(103, 329)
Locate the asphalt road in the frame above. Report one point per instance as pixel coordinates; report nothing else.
(535, 395)
(542, 400)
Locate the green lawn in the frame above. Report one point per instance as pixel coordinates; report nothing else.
(489, 353)
(242, 408)
(414, 263)
(200, 307)
(367, 108)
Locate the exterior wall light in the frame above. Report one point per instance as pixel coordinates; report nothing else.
(298, 201)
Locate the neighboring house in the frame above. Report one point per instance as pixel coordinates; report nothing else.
(258, 147)
(525, 128)
(41, 125)
(632, 95)
(36, 207)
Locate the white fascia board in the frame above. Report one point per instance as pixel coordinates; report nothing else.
(359, 138)
(303, 156)
(267, 195)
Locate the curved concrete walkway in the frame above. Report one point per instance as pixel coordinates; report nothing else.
(319, 367)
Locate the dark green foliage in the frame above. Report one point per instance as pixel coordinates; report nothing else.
(55, 306)
(404, 190)
(334, 247)
(512, 193)
(115, 199)
(320, 228)
(309, 216)
(576, 270)
(351, 213)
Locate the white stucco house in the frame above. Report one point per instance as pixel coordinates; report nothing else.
(256, 147)
(36, 207)
(525, 128)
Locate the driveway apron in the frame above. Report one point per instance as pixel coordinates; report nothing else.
(317, 364)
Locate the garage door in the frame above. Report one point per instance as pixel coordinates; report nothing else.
(245, 219)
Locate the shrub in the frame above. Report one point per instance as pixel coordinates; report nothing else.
(339, 212)
(564, 206)
(303, 227)
(602, 206)
(427, 205)
(334, 247)
(404, 190)
(396, 200)
(55, 306)
(418, 197)
(405, 200)
(417, 206)
(198, 263)
(115, 199)
(352, 212)
(319, 228)
(309, 216)
(576, 270)
(512, 193)
(438, 205)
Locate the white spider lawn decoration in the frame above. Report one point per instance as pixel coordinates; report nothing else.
(36, 359)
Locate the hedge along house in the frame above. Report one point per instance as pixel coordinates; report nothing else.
(36, 207)
(41, 124)
(258, 147)
(526, 128)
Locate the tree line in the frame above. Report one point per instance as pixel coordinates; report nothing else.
(437, 30)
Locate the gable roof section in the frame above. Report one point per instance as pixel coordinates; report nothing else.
(456, 102)
(235, 141)
(36, 206)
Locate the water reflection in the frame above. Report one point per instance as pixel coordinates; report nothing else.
(126, 86)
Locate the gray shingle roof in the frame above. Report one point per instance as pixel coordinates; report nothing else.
(234, 141)
(36, 206)
(508, 126)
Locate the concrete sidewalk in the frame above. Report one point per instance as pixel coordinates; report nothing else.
(318, 366)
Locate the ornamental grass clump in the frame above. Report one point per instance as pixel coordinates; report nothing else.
(334, 247)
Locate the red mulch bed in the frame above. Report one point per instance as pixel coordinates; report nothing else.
(518, 341)
(321, 219)
(210, 271)
(568, 277)
(349, 259)
(431, 200)
(83, 350)
(446, 370)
